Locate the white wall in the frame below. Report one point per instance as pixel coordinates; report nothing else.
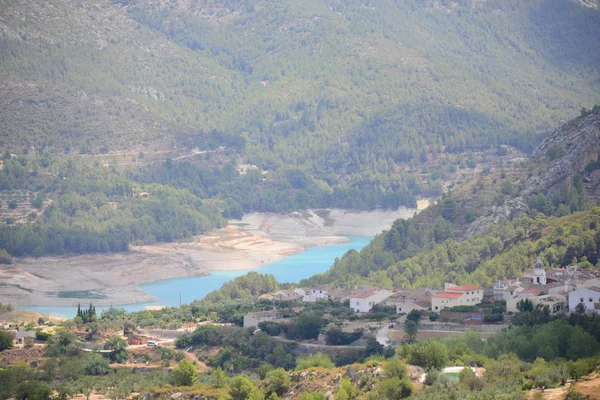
(583, 296)
(314, 295)
(365, 304)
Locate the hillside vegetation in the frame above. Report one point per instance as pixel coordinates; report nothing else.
(132, 121)
(350, 93)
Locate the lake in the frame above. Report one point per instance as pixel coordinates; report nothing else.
(291, 269)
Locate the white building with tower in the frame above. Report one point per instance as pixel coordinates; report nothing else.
(538, 277)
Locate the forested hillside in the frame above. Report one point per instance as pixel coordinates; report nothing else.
(494, 226)
(342, 90)
(325, 103)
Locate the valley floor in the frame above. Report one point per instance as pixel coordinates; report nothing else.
(112, 279)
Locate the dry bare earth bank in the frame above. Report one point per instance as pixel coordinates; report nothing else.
(112, 279)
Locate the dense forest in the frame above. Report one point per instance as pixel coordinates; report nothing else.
(409, 255)
(155, 107)
(333, 99)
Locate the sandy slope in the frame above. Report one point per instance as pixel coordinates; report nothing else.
(113, 279)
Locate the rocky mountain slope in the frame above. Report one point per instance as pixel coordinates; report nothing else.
(569, 153)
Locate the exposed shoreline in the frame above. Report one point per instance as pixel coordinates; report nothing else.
(256, 240)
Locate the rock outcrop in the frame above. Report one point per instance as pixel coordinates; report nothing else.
(576, 144)
(558, 159)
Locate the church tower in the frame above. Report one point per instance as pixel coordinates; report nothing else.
(539, 273)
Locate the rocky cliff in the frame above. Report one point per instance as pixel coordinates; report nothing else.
(561, 157)
(565, 154)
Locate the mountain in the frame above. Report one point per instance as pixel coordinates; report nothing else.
(214, 109)
(334, 87)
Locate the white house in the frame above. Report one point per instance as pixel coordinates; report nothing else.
(465, 295)
(555, 301)
(315, 294)
(507, 289)
(586, 283)
(301, 291)
(407, 300)
(589, 297)
(365, 298)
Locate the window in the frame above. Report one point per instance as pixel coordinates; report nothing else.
(581, 299)
(320, 291)
(591, 300)
(357, 303)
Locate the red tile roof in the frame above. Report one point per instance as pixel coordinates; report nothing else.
(464, 288)
(532, 291)
(447, 295)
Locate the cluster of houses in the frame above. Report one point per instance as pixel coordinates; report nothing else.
(562, 290)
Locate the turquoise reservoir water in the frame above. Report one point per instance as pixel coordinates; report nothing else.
(291, 269)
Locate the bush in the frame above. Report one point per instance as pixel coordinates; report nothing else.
(414, 315)
(391, 389)
(96, 365)
(6, 340)
(271, 328)
(334, 336)
(433, 375)
(33, 391)
(241, 388)
(264, 369)
(306, 326)
(184, 374)
(209, 335)
(317, 360)
(278, 381)
(428, 354)
(41, 335)
(183, 342)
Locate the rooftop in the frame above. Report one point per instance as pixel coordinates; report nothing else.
(464, 288)
(531, 291)
(264, 313)
(363, 293)
(447, 295)
(24, 334)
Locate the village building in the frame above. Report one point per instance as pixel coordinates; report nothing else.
(254, 318)
(454, 295)
(407, 300)
(556, 302)
(538, 277)
(583, 283)
(301, 291)
(280, 295)
(363, 299)
(507, 289)
(588, 296)
(21, 335)
(316, 293)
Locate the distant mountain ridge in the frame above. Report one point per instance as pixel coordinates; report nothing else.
(118, 74)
